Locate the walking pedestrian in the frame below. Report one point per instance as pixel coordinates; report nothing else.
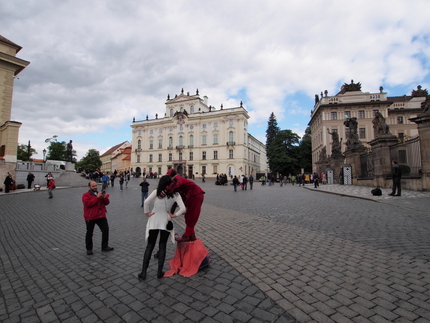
(144, 188)
(251, 181)
(95, 214)
(235, 183)
(51, 187)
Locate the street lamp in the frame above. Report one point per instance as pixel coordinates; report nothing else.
(44, 155)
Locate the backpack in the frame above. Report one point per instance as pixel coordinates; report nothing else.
(376, 192)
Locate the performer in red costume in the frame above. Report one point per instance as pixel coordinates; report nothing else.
(193, 196)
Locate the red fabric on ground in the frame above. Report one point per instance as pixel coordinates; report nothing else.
(188, 258)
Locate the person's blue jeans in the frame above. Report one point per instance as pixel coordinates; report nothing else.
(144, 197)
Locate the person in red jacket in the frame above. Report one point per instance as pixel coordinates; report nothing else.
(192, 195)
(95, 213)
(51, 186)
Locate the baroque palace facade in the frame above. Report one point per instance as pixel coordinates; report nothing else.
(330, 112)
(197, 139)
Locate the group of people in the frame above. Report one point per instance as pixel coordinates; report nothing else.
(242, 182)
(174, 196)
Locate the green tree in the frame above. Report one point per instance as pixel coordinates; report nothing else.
(271, 132)
(283, 152)
(305, 151)
(23, 153)
(57, 150)
(91, 160)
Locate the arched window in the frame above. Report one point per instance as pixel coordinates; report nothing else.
(230, 136)
(170, 141)
(139, 144)
(191, 140)
(181, 141)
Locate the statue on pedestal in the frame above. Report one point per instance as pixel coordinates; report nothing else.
(336, 148)
(69, 156)
(353, 140)
(380, 126)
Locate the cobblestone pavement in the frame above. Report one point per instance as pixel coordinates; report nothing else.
(279, 254)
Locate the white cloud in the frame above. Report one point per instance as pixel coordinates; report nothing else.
(96, 65)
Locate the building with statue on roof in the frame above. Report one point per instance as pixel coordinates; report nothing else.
(10, 67)
(196, 139)
(330, 136)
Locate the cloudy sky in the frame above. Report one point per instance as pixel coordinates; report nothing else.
(97, 64)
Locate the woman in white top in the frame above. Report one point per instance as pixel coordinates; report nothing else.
(157, 222)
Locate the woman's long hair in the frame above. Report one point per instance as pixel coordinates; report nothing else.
(162, 184)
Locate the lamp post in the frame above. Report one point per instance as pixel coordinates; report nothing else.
(44, 158)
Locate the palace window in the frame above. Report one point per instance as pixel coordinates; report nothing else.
(160, 157)
(170, 157)
(181, 141)
(204, 170)
(347, 114)
(361, 114)
(191, 140)
(231, 136)
(138, 158)
(215, 154)
(230, 154)
(180, 156)
(160, 143)
(204, 155)
(215, 139)
(204, 140)
(334, 115)
(150, 158)
(375, 112)
(362, 133)
(400, 120)
(139, 144)
(191, 155)
(151, 144)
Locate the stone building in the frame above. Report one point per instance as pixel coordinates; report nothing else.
(113, 153)
(330, 113)
(10, 67)
(195, 138)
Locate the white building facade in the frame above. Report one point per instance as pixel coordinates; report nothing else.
(197, 139)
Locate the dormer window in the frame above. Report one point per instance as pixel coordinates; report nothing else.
(171, 112)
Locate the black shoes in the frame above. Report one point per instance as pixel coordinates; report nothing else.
(142, 275)
(397, 195)
(89, 252)
(108, 249)
(391, 194)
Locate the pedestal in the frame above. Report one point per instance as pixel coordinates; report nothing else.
(382, 158)
(70, 167)
(423, 123)
(352, 157)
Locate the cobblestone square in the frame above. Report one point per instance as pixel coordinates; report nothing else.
(279, 254)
